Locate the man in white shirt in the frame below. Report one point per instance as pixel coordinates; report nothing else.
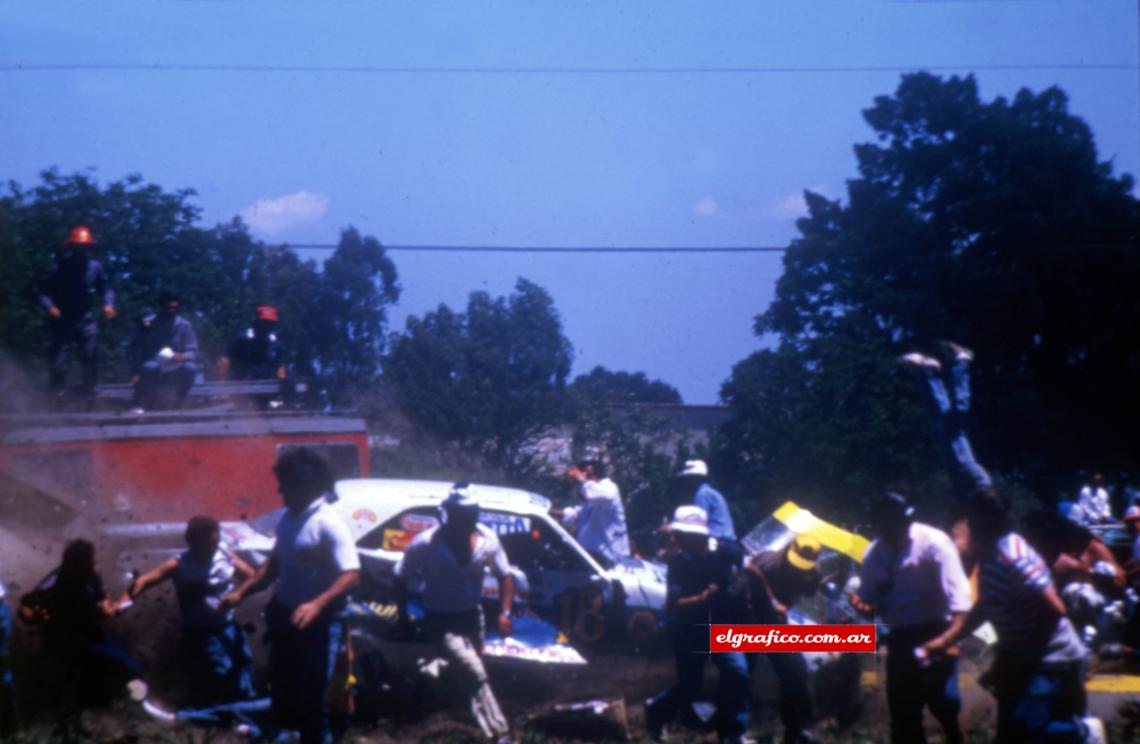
(1094, 502)
(599, 522)
(314, 564)
(912, 579)
(449, 563)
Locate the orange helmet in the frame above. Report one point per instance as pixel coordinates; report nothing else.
(80, 235)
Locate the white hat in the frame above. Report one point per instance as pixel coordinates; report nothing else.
(694, 467)
(691, 519)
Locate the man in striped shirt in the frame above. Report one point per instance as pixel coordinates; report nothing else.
(1038, 673)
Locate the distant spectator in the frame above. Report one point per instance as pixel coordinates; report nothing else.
(1094, 501)
(164, 352)
(1132, 567)
(256, 353)
(599, 522)
(693, 481)
(76, 283)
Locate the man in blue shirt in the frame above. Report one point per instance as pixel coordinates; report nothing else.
(693, 479)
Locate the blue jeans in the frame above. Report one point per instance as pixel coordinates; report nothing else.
(949, 407)
(221, 664)
(1041, 705)
(7, 684)
(301, 663)
(732, 691)
(156, 385)
(911, 687)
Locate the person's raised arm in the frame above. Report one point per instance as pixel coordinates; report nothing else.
(156, 575)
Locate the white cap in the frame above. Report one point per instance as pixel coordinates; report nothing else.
(691, 519)
(694, 467)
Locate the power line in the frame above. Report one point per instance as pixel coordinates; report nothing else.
(528, 71)
(554, 249)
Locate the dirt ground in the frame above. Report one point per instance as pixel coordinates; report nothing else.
(850, 700)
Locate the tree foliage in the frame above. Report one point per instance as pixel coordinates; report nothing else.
(333, 321)
(489, 377)
(992, 223)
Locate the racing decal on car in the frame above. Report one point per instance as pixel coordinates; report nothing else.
(397, 540)
(364, 514)
(418, 522)
(505, 524)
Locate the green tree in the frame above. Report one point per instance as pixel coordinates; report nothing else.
(992, 223)
(601, 385)
(491, 377)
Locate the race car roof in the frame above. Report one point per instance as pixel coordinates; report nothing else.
(803, 522)
(364, 502)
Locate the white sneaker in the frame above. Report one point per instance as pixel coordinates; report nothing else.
(914, 359)
(1095, 730)
(156, 712)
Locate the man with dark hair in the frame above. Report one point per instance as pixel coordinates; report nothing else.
(163, 353)
(449, 562)
(220, 662)
(314, 564)
(912, 579)
(599, 522)
(67, 295)
(699, 581)
(1038, 672)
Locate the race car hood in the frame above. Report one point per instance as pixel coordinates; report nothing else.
(643, 582)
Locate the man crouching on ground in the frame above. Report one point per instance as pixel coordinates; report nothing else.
(450, 561)
(315, 564)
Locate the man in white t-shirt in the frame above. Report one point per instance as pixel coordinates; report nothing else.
(314, 564)
(599, 522)
(913, 580)
(448, 563)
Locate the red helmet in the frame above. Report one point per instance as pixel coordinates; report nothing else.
(80, 235)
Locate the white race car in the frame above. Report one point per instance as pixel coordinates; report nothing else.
(557, 579)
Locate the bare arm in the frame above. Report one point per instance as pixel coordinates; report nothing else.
(243, 569)
(755, 570)
(307, 613)
(265, 575)
(507, 598)
(156, 575)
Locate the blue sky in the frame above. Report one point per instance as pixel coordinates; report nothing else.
(533, 123)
